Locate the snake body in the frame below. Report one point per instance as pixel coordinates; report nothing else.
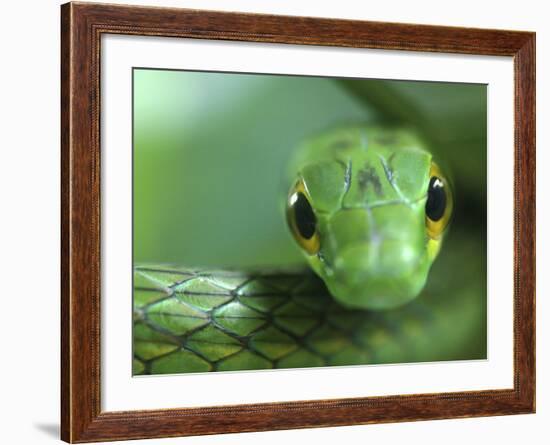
(198, 321)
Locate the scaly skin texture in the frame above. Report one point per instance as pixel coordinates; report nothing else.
(368, 188)
(198, 321)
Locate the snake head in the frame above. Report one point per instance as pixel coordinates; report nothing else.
(370, 218)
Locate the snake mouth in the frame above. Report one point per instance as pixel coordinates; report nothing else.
(383, 277)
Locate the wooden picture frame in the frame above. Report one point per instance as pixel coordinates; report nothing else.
(82, 25)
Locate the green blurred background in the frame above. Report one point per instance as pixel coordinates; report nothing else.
(211, 149)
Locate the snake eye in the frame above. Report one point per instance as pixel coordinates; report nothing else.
(302, 220)
(439, 205)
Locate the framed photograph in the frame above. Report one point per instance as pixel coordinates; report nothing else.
(274, 222)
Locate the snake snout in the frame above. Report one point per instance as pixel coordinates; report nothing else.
(382, 263)
(389, 260)
(380, 277)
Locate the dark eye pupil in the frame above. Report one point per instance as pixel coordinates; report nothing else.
(304, 216)
(437, 199)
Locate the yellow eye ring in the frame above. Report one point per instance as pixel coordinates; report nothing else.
(302, 220)
(439, 204)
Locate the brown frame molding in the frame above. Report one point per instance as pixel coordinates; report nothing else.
(82, 25)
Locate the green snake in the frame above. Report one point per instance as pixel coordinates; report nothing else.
(369, 207)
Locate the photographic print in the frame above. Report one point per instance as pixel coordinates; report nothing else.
(287, 221)
(322, 222)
